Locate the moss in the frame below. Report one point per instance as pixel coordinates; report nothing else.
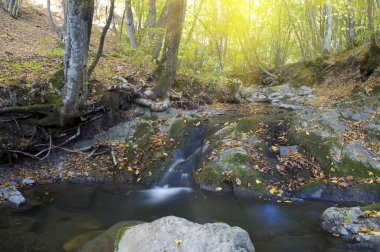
(57, 78)
(248, 179)
(141, 130)
(248, 124)
(177, 129)
(236, 159)
(373, 207)
(316, 146)
(119, 235)
(209, 175)
(356, 169)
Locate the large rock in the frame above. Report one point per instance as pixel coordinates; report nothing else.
(177, 234)
(359, 161)
(352, 225)
(12, 195)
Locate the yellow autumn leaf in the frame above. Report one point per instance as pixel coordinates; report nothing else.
(218, 189)
(177, 242)
(197, 124)
(377, 233)
(288, 201)
(307, 133)
(130, 169)
(273, 190)
(139, 179)
(165, 154)
(150, 174)
(238, 182)
(258, 181)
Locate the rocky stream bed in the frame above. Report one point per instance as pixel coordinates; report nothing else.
(277, 146)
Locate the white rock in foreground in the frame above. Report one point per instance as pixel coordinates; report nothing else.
(176, 234)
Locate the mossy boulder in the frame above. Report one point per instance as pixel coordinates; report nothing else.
(237, 163)
(359, 161)
(325, 150)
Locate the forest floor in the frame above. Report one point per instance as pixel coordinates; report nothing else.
(29, 54)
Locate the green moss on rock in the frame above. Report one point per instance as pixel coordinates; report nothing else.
(119, 235)
(373, 207)
(210, 175)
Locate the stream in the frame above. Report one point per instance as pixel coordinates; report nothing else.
(78, 209)
(70, 210)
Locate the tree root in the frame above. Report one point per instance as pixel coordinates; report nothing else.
(142, 98)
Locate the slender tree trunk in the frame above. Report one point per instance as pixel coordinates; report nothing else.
(159, 36)
(329, 26)
(102, 38)
(152, 13)
(351, 34)
(65, 10)
(371, 28)
(295, 30)
(52, 23)
(80, 15)
(12, 6)
(130, 24)
(168, 64)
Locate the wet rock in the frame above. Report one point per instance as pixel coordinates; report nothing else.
(356, 116)
(287, 150)
(12, 195)
(289, 106)
(77, 241)
(304, 91)
(330, 119)
(177, 234)
(348, 224)
(28, 181)
(233, 158)
(105, 241)
(360, 161)
(263, 99)
(373, 130)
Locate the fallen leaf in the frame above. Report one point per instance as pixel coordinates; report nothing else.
(178, 242)
(238, 182)
(218, 189)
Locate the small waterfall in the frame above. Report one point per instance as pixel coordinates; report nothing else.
(188, 159)
(179, 178)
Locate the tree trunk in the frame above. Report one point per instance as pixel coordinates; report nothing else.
(168, 64)
(351, 34)
(329, 26)
(152, 18)
(130, 24)
(102, 38)
(370, 10)
(161, 24)
(303, 53)
(52, 23)
(80, 15)
(12, 6)
(152, 13)
(65, 6)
